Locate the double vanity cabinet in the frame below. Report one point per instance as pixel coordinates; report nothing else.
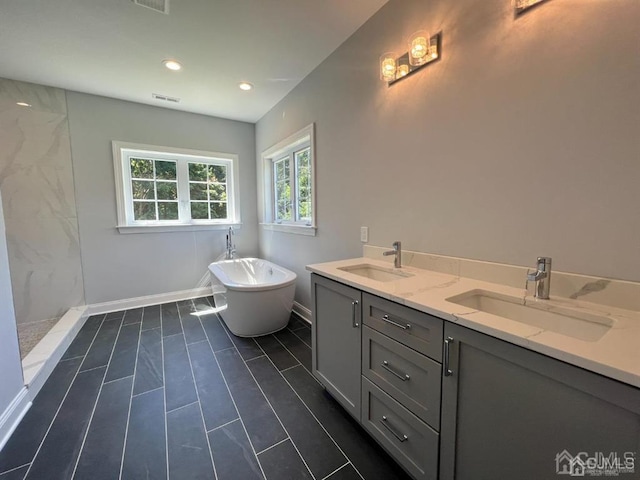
(449, 403)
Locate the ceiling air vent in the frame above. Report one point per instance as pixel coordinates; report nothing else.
(161, 6)
(164, 98)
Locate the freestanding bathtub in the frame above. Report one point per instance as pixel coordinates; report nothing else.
(254, 297)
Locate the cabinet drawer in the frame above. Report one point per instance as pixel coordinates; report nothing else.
(408, 439)
(417, 330)
(411, 378)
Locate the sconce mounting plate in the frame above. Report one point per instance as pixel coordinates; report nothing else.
(435, 52)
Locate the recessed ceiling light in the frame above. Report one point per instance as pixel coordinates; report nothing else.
(23, 104)
(172, 65)
(245, 86)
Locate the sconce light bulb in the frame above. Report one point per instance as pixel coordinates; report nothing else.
(419, 48)
(388, 67)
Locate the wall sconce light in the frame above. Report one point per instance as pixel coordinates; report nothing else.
(423, 49)
(521, 6)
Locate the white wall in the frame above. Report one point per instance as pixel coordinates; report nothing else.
(118, 266)
(36, 177)
(10, 367)
(522, 141)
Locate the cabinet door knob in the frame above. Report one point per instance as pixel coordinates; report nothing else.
(354, 308)
(386, 318)
(402, 376)
(447, 352)
(400, 436)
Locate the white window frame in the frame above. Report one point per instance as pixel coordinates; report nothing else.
(123, 151)
(296, 142)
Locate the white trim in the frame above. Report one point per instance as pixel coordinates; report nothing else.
(40, 362)
(265, 180)
(128, 229)
(290, 228)
(12, 415)
(123, 194)
(137, 302)
(303, 312)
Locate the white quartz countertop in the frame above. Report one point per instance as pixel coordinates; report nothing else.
(615, 355)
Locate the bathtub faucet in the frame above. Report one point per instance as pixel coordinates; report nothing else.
(230, 248)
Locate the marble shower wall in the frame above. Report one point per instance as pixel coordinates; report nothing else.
(36, 181)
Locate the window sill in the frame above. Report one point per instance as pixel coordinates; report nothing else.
(295, 229)
(128, 229)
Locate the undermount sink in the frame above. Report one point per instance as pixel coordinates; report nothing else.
(374, 272)
(589, 327)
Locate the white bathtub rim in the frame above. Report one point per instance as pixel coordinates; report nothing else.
(221, 276)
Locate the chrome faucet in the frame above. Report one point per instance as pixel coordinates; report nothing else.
(542, 277)
(397, 251)
(230, 247)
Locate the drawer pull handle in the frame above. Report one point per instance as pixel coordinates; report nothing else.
(388, 368)
(354, 321)
(447, 352)
(395, 324)
(399, 436)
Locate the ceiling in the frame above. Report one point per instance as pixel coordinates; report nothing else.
(116, 48)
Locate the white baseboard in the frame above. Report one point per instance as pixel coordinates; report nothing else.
(10, 418)
(137, 302)
(303, 312)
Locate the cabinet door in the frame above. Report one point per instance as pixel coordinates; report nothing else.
(509, 413)
(336, 340)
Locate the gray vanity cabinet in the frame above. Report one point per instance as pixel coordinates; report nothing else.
(510, 413)
(336, 341)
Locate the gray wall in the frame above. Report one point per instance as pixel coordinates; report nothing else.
(10, 366)
(522, 141)
(36, 179)
(118, 266)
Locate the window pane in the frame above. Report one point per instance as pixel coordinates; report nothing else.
(198, 172)
(144, 210)
(168, 210)
(218, 210)
(198, 191)
(217, 173)
(165, 170)
(199, 210)
(217, 192)
(142, 189)
(167, 190)
(141, 168)
(283, 211)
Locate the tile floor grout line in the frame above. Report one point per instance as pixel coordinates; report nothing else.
(95, 405)
(133, 382)
(233, 400)
(223, 425)
(254, 358)
(274, 445)
(336, 470)
(298, 337)
(148, 391)
(117, 379)
(195, 386)
(291, 367)
(196, 342)
(268, 402)
(65, 396)
(94, 368)
(287, 349)
(14, 469)
(164, 393)
(181, 407)
(314, 416)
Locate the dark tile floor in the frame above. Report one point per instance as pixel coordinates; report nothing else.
(162, 393)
